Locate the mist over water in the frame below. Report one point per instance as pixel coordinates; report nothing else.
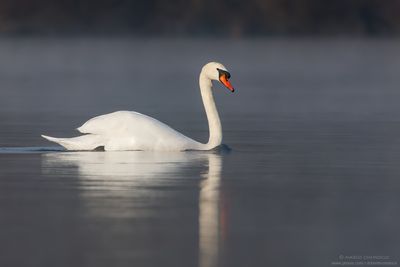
(312, 173)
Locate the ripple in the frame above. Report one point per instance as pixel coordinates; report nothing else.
(23, 150)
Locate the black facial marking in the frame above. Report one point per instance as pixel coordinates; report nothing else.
(224, 72)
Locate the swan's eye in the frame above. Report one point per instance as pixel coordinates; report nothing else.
(223, 73)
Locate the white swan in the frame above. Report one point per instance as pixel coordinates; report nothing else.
(129, 130)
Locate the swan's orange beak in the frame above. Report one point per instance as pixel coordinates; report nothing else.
(224, 80)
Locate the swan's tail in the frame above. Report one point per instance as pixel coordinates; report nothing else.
(83, 142)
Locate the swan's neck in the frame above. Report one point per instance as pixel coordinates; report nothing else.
(214, 122)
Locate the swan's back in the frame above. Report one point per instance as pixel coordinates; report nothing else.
(119, 122)
(129, 130)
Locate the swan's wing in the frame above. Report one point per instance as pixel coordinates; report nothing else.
(136, 129)
(116, 122)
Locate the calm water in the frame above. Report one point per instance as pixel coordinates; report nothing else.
(313, 173)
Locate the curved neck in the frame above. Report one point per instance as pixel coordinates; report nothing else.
(214, 122)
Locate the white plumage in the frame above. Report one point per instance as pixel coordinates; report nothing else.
(129, 130)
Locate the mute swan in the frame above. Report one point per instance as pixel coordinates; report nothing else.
(129, 130)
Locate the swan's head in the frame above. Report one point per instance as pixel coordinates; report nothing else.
(216, 71)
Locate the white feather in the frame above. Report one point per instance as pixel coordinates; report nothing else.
(129, 130)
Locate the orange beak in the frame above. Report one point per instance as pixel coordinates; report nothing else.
(224, 80)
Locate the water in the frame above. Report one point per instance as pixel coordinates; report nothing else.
(312, 173)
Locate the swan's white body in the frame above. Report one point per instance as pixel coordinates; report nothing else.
(129, 130)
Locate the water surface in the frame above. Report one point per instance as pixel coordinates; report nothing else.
(312, 173)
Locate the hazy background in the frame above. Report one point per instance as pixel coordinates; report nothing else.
(201, 17)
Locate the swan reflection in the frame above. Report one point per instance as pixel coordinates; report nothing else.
(209, 203)
(125, 174)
